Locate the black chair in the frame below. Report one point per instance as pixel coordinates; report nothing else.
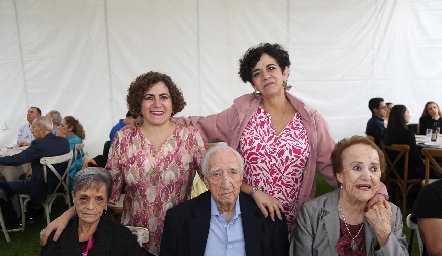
(413, 127)
(106, 148)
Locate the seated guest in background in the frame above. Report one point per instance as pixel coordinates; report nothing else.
(56, 118)
(430, 115)
(224, 220)
(89, 233)
(72, 129)
(398, 132)
(123, 122)
(337, 223)
(389, 107)
(375, 126)
(25, 136)
(427, 213)
(45, 144)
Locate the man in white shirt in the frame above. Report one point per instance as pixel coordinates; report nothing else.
(25, 136)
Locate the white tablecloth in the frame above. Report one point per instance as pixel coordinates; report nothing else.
(13, 173)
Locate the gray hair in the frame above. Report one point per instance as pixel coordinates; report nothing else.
(218, 148)
(55, 116)
(45, 122)
(92, 177)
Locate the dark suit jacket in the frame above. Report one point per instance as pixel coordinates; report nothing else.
(50, 145)
(186, 229)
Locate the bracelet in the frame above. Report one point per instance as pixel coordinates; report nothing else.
(254, 190)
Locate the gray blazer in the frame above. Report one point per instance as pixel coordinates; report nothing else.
(317, 230)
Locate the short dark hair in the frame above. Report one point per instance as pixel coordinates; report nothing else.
(253, 55)
(38, 110)
(374, 103)
(144, 82)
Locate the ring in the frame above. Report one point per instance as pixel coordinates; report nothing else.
(43, 230)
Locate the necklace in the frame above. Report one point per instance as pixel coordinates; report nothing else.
(353, 244)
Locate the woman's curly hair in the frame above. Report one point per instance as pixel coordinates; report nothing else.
(253, 54)
(77, 128)
(144, 82)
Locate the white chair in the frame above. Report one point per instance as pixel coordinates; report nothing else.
(2, 223)
(62, 181)
(413, 227)
(77, 151)
(141, 233)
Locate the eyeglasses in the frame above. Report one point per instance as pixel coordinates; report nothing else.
(384, 107)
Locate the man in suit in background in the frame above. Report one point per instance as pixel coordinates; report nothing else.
(25, 136)
(375, 125)
(45, 144)
(224, 219)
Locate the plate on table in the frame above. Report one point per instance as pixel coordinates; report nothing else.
(433, 144)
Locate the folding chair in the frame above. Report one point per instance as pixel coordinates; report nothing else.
(62, 181)
(78, 150)
(430, 154)
(2, 223)
(403, 183)
(413, 227)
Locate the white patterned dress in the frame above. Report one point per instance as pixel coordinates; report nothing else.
(273, 162)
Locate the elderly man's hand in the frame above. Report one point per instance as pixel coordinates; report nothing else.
(268, 204)
(379, 216)
(23, 144)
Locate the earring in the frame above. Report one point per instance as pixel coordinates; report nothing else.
(286, 85)
(74, 207)
(341, 186)
(104, 211)
(256, 94)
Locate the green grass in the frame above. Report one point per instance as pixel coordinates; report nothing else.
(322, 187)
(28, 242)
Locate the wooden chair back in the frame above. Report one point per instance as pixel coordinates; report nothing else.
(430, 155)
(393, 175)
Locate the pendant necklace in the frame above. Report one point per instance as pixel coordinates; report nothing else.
(353, 244)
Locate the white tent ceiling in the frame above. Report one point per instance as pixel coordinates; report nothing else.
(79, 57)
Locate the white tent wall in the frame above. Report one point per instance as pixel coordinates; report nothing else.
(79, 57)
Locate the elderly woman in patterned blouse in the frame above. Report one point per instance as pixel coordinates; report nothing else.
(156, 159)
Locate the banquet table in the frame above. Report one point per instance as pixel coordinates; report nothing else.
(14, 172)
(422, 143)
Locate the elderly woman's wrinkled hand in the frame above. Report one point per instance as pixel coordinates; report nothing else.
(377, 199)
(379, 216)
(268, 205)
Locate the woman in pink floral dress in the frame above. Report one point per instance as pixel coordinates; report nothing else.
(157, 159)
(283, 140)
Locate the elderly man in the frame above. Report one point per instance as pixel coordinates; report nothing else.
(56, 118)
(427, 213)
(25, 136)
(45, 144)
(375, 125)
(224, 221)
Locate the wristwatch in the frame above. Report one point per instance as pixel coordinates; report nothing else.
(254, 189)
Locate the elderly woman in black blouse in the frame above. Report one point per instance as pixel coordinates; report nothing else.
(89, 233)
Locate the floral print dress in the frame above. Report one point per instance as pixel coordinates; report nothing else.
(274, 162)
(154, 180)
